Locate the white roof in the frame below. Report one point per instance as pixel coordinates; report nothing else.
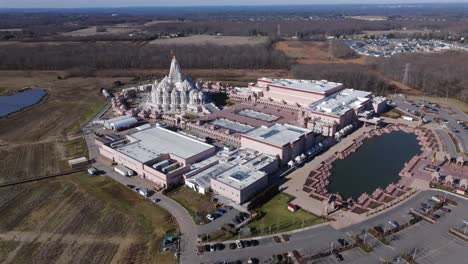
(278, 135)
(150, 143)
(341, 102)
(239, 170)
(322, 86)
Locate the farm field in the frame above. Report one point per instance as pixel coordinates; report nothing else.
(80, 219)
(92, 31)
(209, 39)
(39, 140)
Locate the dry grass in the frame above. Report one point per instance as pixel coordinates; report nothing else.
(75, 219)
(91, 31)
(80, 218)
(209, 39)
(312, 52)
(198, 205)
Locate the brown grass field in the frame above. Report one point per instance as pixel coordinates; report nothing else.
(312, 52)
(80, 219)
(209, 39)
(74, 219)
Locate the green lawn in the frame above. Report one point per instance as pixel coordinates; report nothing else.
(393, 113)
(280, 219)
(198, 205)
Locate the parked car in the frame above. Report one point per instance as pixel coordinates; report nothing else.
(343, 242)
(394, 223)
(254, 242)
(156, 200)
(239, 244)
(232, 245)
(212, 247)
(206, 247)
(338, 256)
(219, 246)
(210, 217)
(247, 243)
(445, 209)
(221, 211)
(131, 186)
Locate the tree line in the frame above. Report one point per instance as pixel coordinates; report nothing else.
(118, 55)
(439, 74)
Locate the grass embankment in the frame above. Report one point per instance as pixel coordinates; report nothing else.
(91, 110)
(198, 205)
(279, 219)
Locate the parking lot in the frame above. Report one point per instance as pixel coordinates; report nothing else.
(444, 118)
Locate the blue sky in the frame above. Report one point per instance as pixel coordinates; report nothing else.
(124, 3)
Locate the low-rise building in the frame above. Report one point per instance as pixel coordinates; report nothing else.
(283, 141)
(158, 154)
(237, 175)
(295, 92)
(337, 111)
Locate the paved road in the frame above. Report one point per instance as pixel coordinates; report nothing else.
(427, 237)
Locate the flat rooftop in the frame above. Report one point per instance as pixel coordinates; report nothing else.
(278, 135)
(150, 143)
(238, 171)
(341, 102)
(258, 115)
(314, 86)
(232, 125)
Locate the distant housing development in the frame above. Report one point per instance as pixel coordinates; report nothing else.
(384, 47)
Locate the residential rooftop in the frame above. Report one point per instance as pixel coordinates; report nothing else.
(278, 135)
(151, 143)
(340, 102)
(321, 87)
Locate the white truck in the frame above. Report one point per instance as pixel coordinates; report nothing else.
(124, 171)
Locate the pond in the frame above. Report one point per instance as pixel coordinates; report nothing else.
(23, 99)
(376, 163)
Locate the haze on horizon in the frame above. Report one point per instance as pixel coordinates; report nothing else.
(134, 3)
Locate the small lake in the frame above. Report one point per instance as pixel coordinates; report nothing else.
(13, 103)
(376, 163)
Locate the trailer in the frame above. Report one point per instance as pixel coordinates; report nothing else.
(74, 163)
(124, 171)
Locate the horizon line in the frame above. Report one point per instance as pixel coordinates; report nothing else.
(243, 5)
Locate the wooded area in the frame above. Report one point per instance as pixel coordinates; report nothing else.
(440, 74)
(120, 55)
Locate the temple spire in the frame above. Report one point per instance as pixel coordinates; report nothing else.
(174, 73)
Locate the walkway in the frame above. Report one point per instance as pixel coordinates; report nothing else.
(295, 180)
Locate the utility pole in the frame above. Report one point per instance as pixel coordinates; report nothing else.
(332, 244)
(365, 237)
(414, 254)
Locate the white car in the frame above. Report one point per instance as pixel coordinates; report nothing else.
(239, 244)
(210, 217)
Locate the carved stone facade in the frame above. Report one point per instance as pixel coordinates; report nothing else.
(176, 93)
